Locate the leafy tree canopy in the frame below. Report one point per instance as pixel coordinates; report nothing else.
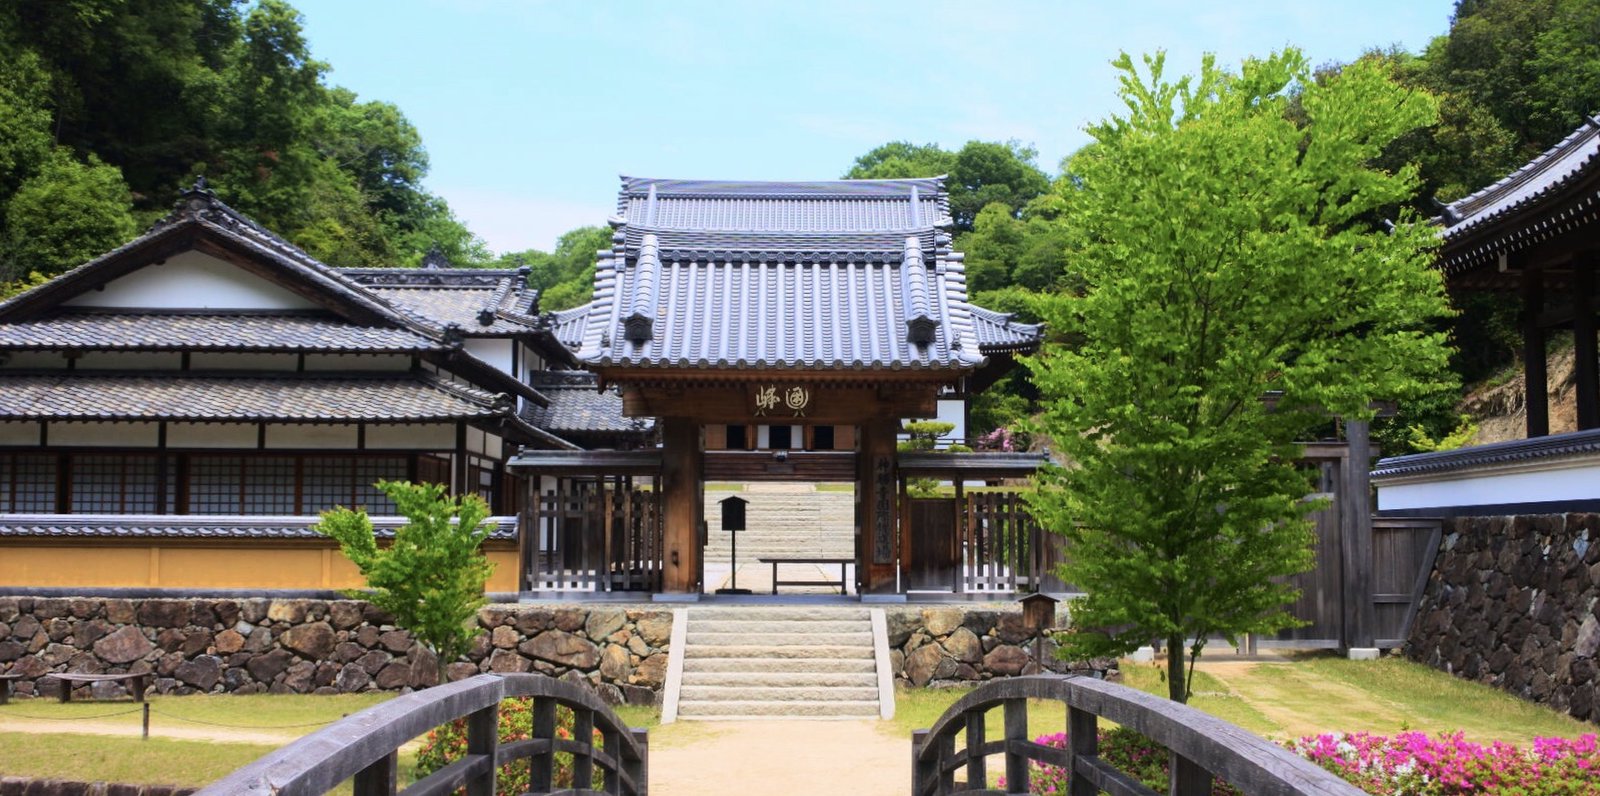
(431, 577)
(979, 174)
(564, 277)
(1230, 249)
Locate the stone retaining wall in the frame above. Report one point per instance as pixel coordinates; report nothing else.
(964, 644)
(1515, 602)
(22, 786)
(318, 646)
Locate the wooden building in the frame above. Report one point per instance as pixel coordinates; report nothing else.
(178, 410)
(775, 330)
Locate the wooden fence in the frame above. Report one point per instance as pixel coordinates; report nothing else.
(594, 536)
(981, 543)
(364, 748)
(1202, 748)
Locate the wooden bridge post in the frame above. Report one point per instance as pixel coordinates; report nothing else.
(921, 770)
(583, 764)
(483, 738)
(1016, 729)
(379, 779)
(639, 769)
(977, 766)
(542, 765)
(1083, 739)
(1186, 777)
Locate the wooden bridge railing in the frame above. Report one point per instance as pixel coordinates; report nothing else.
(363, 747)
(1202, 746)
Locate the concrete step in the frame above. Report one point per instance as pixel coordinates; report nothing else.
(693, 650)
(782, 640)
(748, 628)
(705, 711)
(785, 667)
(720, 693)
(734, 679)
(775, 613)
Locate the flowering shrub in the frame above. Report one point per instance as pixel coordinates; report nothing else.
(1414, 764)
(447, 743)
(1000, 439)
(1407, 764)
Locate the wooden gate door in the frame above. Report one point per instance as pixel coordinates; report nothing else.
(933, 545)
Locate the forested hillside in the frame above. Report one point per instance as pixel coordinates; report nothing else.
(109, 108)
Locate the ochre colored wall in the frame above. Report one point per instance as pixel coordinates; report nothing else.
(199, 565)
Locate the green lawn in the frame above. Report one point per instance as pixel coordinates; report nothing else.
(1311, 695)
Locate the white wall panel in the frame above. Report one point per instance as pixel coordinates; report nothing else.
(494, 350)
(130, 360)
(432, 436)
(211, 435)
(32, 359)
(192, 280)
(227, 360)
(1566, 479)
(109, 435)
(361, 362)
(19, 433)
(312, 436)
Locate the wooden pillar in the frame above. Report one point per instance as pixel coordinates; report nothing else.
(1584, 347)
(680, 492)
(876, 476)
(1355, 532)
(1536, 399)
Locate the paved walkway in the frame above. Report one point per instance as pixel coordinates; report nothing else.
(778, 758)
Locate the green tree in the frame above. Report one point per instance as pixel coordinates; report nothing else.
(67, 214)
(978, 174)
(564, 277)
(1228, 252)
(431, 577)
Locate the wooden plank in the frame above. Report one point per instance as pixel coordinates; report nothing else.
(681, 489)
(977, 766)
(1536, 381)
(483, 736)
(1356, 537)
(876, 482)
(1586, 374)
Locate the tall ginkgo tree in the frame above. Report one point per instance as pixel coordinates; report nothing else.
(1247, 275)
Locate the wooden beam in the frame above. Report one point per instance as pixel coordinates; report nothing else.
(1536, 400)
(1355, 531)
(1584, 346)
(681, 505)
(749, 404)
(875, 489)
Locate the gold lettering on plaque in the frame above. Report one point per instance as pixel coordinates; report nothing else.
(797, 399)
(766, 398)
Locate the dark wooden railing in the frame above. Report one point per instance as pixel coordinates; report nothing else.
(1202, 747)
(364, 747)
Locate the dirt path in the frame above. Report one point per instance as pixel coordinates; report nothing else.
(778, 758)
(159, 728)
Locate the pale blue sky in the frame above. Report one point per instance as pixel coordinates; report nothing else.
(530, 110)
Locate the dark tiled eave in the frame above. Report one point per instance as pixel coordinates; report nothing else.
(235, 331)
(1555, 446)
(1551, 195)
(195, 527)
(972, 465)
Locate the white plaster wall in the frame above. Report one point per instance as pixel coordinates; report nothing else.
(19, 433)
(130, 360)
(32, 359)
(494, 350)
(211, 435)
(192, 280)
(223, 360)
(110, 435)
(433, 436)
(1569, 479)
(953, 410)
(476, 441)
(312, 436)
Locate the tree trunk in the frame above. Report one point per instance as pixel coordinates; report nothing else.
(1177, 682)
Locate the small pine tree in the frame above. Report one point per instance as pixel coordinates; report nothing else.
(431, 578)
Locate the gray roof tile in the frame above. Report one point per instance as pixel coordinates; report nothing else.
(163, 526)
(270, 397)
(155, 331)
(578, 406)
(1469, 235)
(465, 307)
(996, 331)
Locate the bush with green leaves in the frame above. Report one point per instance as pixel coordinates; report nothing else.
(431, 577)
(446, 744)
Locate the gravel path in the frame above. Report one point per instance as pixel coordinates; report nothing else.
(778, 758)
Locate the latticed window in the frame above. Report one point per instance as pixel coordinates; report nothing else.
(330, 482)
(27, 483)
(242, 485)
(119, 484)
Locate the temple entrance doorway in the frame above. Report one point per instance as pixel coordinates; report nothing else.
(796, 484)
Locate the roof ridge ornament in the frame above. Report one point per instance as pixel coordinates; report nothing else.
(921, 328)
(638, 326)
(435, 259)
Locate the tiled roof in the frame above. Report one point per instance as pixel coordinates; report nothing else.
(578, 406)
(846, 275)
(466, 307)
(166, 526)
(1554, 446)
(279, 397)
(1546, 196)
(996, 331)
(567, 326)
(113, 330)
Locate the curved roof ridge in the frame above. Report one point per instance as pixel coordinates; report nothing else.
(858, 189)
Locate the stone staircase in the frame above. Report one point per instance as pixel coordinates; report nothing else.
(756, 662)
(796, 521)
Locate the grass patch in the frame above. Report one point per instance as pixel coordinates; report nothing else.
(158, 761)
(717, 486)
(836, 487)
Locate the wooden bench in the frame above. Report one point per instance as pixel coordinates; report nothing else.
(842, 582)
(5, 686)
(136, 682)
